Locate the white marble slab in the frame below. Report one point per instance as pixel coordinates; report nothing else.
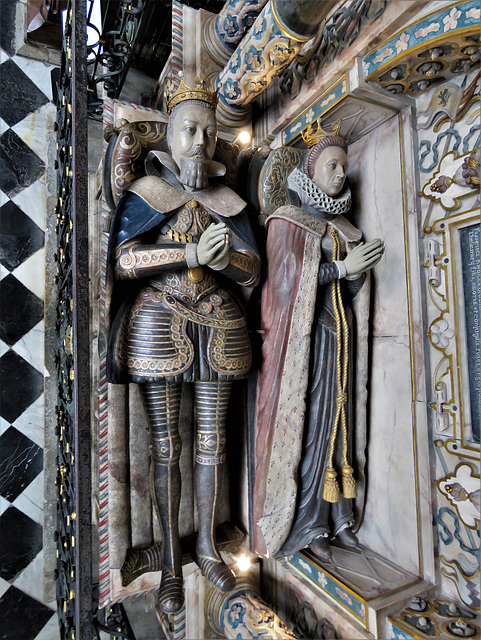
(33, 201)
(31, 422)
(38, 72)
(3, 56)
(375, 178)
(390, 520)
(32, 129)
(31, 347)
(31, 273)
(3, 198)
(30, 501)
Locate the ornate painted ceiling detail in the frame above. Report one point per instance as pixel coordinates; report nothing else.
(338, 33)
(222, 33)
(263, 54)
(326, 101)
(429, 51)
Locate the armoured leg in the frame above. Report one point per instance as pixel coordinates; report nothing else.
(211, 400)
(162, 405)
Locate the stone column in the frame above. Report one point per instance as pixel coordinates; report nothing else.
(278, 34)
(223, 32)
(242, 613)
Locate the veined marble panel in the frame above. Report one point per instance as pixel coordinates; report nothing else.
(390, 524)
(375, 179)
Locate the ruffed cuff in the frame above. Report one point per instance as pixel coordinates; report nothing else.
(220, 265)
(191, 255)
(341, 267)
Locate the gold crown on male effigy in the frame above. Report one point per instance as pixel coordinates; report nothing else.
(184, 92)
(312, 136)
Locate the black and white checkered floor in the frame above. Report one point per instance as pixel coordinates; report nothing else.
(25, 105)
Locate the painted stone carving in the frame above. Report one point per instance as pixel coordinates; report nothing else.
(307, 404)
(175, 244)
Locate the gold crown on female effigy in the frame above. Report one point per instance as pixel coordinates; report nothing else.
(312, 136)
(184, 92)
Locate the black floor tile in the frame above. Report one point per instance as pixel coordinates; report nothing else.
(22, 617)
(20, 237)
(19, 165)
(21, 310)
(19, 96)
(21, 541)
(7, 25)
(20, 385)
(21, 460)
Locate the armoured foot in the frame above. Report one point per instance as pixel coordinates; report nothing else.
(171, 592)
(321, 548)
(217, 573)
(140, 561)
(348, 539)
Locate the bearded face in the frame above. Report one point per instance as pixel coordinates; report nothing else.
(192, 141)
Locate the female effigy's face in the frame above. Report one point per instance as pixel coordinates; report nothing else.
(330, 171)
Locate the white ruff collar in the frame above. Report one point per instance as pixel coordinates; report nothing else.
(311, 195)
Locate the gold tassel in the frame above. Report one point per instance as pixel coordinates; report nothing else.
(331, 487)
(348, 483)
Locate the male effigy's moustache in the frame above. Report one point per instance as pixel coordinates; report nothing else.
(196, 152)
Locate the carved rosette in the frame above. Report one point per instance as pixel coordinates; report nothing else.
(243, 614)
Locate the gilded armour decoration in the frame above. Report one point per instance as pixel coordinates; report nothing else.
(129, 261)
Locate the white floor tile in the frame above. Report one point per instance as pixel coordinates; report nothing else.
(31, 348)
(50, 631)
(3, 348)
(33, 201)
(30, 580)
(30, 501)
(32, 129)
(31, 422)
(4, 504)
(3, 126)
(38, 72)
(31, 273)
(4, 585)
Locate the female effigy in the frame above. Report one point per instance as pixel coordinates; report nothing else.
(311, 393)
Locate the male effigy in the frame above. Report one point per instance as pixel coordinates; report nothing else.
(306, 401)
(175, 244)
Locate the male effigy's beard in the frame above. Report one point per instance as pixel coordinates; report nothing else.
(194, 169)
